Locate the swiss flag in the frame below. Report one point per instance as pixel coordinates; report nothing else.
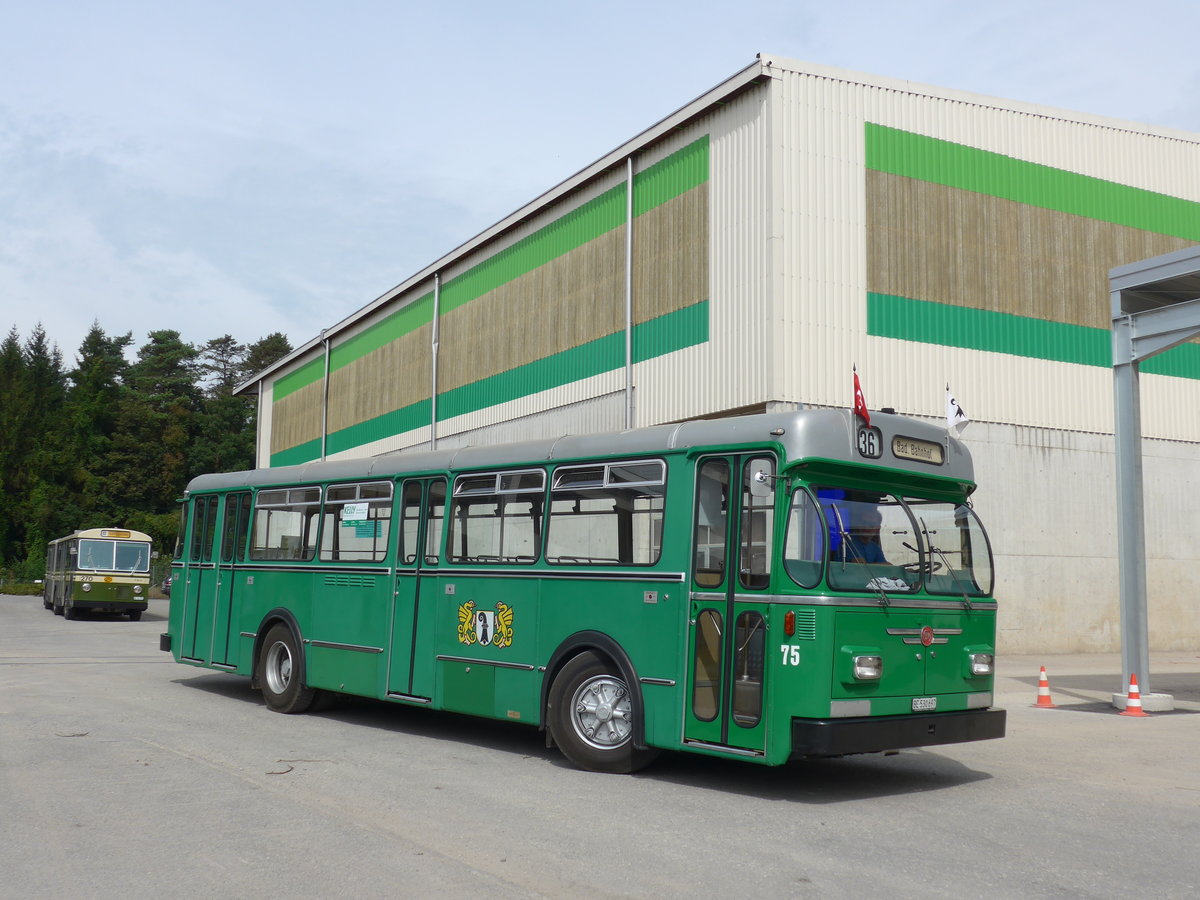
(860, 402)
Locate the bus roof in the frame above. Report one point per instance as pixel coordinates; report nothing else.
(810, 434)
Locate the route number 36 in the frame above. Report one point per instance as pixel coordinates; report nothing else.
(870, 442)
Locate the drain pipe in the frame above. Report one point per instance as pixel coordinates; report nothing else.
(629, 293)
(433, 394)
(325, 400)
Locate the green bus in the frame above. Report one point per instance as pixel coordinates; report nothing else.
(104, 569)
(767, 587)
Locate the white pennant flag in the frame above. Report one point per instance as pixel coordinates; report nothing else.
(956, 417)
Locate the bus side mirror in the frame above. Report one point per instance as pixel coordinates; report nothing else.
(762, 483)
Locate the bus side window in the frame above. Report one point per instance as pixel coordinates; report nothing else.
(286, 524)
(757, 525)
(410, 522)
(712, 517)
(435, 511)
(357, 522)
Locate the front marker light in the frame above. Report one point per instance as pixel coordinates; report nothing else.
(983, 664)
(868, 668)
(137, 588)
(86, 587)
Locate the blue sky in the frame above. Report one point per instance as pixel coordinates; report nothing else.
(247, 167)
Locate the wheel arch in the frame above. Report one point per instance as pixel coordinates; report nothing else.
(597, 642)
(279, 615)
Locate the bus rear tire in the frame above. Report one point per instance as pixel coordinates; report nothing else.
(281, 669)
(590, 717)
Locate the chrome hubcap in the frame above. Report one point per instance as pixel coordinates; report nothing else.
(279, 667)
(601, 712)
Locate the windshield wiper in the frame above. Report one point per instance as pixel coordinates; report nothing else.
(873, 584)
(945, 562)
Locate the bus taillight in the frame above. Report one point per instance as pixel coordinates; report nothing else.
(789, 623)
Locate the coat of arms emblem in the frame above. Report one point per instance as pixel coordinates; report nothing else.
(485, 627)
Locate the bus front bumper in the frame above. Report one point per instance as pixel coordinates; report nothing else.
(872, 734)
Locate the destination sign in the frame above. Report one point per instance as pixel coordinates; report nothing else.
(919, 451)
(112, 533)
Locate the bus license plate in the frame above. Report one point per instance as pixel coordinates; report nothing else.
(923, 704)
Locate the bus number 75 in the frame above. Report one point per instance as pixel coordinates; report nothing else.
(791, 654)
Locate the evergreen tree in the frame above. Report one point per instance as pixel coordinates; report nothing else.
(90, 420)
(148, 467)
(12, 438)
(264, 353)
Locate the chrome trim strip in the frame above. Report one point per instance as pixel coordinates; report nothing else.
(331, 568)
(896, 631)
(225, 666)
(665, 682)
(736, 751)
(333, 645)
(407, 698)
(487, 662)
(576, 575)
(249, 634)
(979, 701)
(950, 604)
(845, 709)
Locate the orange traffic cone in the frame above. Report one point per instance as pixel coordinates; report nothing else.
(1043, 698)
(1133, 702)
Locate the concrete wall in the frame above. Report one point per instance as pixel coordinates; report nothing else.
(1048, 499)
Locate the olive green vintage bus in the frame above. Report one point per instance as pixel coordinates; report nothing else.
(767, 588)
(103, 569)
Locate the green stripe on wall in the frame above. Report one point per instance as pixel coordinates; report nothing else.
(408, 318)
(956, 165)
(311, 371)
(976, 329)
(686, 327)
(663, 181)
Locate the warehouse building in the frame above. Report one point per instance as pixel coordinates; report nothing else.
(745, 252)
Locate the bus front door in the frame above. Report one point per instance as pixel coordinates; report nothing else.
(422, 507)
(731, 558)
(199, 581)
(235, 529)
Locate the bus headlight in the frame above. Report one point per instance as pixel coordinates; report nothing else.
(87, 586)
(868, 668)
(983, 664)
(137, 588)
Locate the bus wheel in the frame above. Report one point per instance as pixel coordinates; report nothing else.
(58, 610)
(70, 612)
(135, 615)
(282, 669)
(591, 717)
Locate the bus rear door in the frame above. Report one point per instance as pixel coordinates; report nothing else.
(731, 555)
(422, 508)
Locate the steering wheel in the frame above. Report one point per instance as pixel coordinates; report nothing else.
(928, 567)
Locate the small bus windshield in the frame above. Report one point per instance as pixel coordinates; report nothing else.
(114, 556)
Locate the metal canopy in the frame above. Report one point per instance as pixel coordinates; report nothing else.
(1155, 306)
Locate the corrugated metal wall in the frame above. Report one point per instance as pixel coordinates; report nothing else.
(933, 238)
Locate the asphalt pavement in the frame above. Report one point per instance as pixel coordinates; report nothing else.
(126, 775)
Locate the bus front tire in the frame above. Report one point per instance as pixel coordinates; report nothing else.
(135, 615)
(590, 716)
(281, 667)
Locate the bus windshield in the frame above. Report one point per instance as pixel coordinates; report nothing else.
(877, 541)
(959, 556)
(114, 556)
